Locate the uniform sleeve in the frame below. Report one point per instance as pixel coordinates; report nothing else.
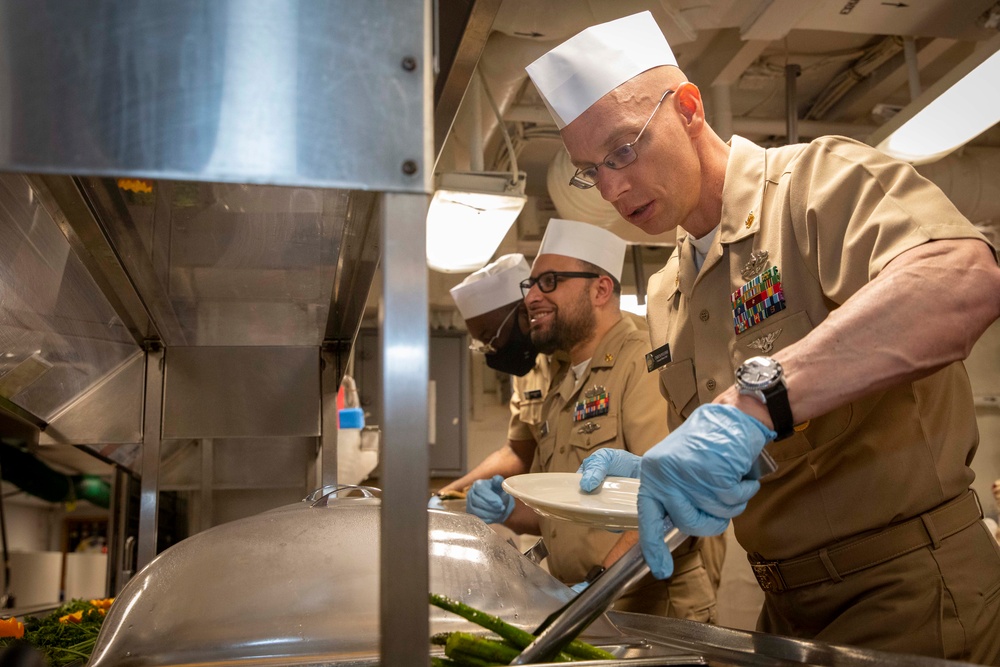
(643, 410)
(854, 209)
(517, 429)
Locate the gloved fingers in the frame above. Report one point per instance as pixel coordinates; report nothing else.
(496, 483)
(580, 587)
(483, 501)
(593, 470)
(481, 507)
(651, 535)
(689, 517)
(725, 503)
(739, 494)
(435, 503)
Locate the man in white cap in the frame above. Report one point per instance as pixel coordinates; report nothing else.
(491, 303)
(824, 257)
(607, 399)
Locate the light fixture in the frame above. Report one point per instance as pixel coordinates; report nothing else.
(630, 303)
(956, 109)
(469, 216)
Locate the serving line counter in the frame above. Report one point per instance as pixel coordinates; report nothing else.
(299, 585)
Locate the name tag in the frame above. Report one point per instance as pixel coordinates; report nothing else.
(658, 357)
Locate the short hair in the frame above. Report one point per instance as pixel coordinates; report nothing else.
(593, 268)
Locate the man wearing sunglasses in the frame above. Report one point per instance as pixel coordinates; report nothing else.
(797, 314)
(601, 397)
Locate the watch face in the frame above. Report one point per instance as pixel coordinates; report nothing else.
(758, 373)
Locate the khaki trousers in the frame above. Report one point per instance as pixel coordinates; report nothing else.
(942, 603)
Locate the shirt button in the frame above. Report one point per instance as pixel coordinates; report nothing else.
(710, 384)
(562, 449)
(703, 315)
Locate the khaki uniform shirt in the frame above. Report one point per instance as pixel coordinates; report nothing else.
(827, 216)
(634, 421)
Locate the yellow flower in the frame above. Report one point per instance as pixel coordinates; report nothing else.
(75, 617)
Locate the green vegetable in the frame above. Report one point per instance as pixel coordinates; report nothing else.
(63, 643)
(443, 662)
(576, 649)
(464, 644)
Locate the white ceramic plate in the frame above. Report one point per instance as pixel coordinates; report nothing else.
(558, 494)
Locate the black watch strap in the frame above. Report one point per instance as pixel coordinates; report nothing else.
(780, 410)
(594, 573)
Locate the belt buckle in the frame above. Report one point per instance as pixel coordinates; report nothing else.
(768, 576)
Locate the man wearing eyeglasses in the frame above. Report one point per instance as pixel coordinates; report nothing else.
(603, 398)
(840, 290)
(491, 303)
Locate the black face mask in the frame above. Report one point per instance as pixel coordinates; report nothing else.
(517, 357)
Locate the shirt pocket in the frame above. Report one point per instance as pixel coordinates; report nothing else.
(589, 435)
(767, 338)
(531, 411)
(681, 388)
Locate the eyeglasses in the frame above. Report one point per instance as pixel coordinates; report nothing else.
(620, 157)
(487, 348)
(548, 281)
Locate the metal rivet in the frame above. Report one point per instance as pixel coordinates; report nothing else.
(703, 315)
(409, 63)
(710, 384)
(409, 167)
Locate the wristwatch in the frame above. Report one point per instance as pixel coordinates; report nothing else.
(764, 379)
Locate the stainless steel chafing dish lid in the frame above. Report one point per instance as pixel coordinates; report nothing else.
(300, 584)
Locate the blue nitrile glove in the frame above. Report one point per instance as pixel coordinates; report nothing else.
(580, 587)
(435, 503)
(607, 463)
(487, 500)
(696, 477)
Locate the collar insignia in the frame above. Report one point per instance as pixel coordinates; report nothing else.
(750, 220)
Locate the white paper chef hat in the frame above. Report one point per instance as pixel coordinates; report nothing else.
(584, 241)
(592, 63)
(495, 285)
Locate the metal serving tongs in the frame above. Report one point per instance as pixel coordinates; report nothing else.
(565, 624)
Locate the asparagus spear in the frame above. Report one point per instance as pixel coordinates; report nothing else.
(515, 635)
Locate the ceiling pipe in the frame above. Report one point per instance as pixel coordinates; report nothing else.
(473, 98)
(791, 103)
(640, 275)
(722, 112)
(912, 67)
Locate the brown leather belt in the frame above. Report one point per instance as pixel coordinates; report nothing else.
(840, 560)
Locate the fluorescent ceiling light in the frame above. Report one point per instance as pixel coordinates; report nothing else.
(468, 218)
(958, 108)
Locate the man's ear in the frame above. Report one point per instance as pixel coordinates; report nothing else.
(604, 289)
(691, 106)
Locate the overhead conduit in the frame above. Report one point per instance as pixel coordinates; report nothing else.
(32, 476)
(967, 177)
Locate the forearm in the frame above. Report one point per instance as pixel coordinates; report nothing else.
(514, 458)
(523, 520)
(624, 543)
(924, 311)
